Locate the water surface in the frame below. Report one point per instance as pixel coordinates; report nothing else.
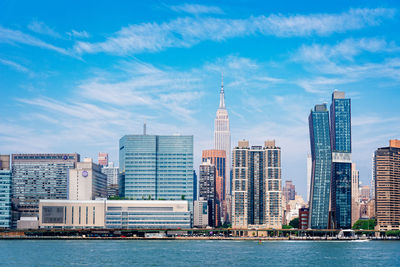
(197, 253)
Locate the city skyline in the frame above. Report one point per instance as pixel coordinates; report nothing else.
(77, 82)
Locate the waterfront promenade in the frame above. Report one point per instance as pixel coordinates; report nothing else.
(190, 234)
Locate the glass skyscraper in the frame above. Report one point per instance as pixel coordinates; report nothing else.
(5, 191)
(157, 167)
(38, 176)
(341, 161)
(321, 155)
(207, 191)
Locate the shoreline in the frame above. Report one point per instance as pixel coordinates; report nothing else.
(190, 238)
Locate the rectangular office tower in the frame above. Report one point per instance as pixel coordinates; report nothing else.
(38, 176)
(321, 156)
(86, 181)
(218, 159)
(112, 179)
(256, 186)
(341, 161)
(5, 191)
(157, 167)
(207, 191)
(387, 186)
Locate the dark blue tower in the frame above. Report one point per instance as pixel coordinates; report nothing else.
(341, 161)
(321, 154)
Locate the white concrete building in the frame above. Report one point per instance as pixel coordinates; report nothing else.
(117, 214)
(86, 181)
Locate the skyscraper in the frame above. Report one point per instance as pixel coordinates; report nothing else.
(256, 191)
(207, 190)
(157, 167)
(387, 186)
(5, 191)
(321, 155)
(218, 158)
(222, 138)
(39, 176)
(240, 169)
(273, 185)
(340, 130)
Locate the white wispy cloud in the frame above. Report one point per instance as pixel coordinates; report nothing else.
(143, 85)
(322, 84)
(346, 49)
(14, 65)
(18, 37)
(197, 9)
(331, 65)
(42, 28)
(186, 32)
(73, 110)
(78, 34)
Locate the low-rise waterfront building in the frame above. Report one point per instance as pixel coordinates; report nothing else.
(117, 214)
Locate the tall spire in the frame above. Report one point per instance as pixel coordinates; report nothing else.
(221, 94)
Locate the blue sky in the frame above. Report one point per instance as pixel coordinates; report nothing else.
(76, 76)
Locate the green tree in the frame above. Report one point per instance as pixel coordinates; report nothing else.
(287, 226)
(294, 223)
(183, 197)
(393, 233)
(365, 224)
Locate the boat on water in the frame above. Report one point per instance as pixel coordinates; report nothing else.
(350, 235)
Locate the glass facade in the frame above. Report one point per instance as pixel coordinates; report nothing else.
(5, 198)
(146, 217)
(38, 176)
(321, 155)
(341, 166)
(341, 125)
(207, 185)
(341, 194)
(256, 192)
(157, 167)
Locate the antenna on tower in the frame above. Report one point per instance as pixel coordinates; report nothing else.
(222, 81)
(144, 128)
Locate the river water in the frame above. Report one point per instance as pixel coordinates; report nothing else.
(197, 253)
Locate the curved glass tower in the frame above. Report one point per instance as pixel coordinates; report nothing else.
(341, 161)
(321, 167)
